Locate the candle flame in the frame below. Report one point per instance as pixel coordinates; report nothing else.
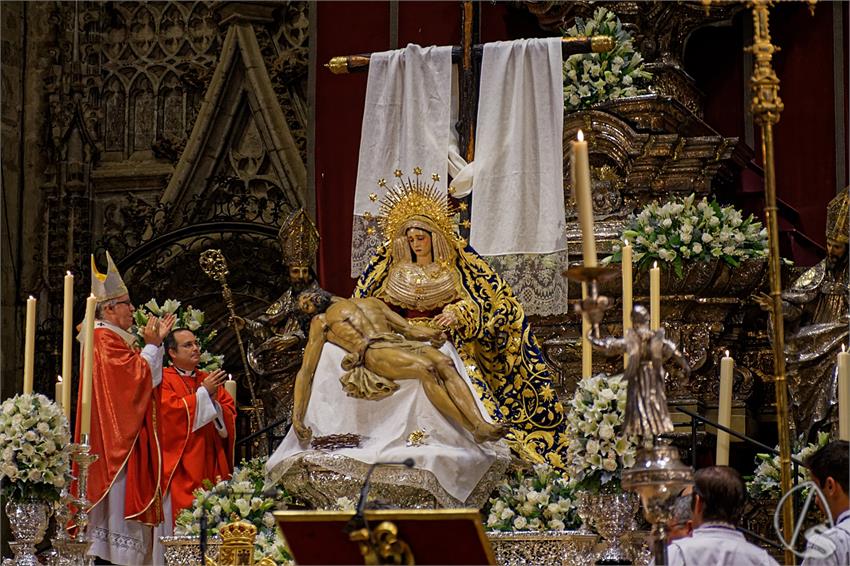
(69, 274)
(229, 377)
(626, 242)
(654, 265)
(580, 135)
(59, 379)
(31, 298)
(727, 353)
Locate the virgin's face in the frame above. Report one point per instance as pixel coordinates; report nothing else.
(420, 243)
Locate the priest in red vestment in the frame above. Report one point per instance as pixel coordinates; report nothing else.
(123, 487)
(198, 420)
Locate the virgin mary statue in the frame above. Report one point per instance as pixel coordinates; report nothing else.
(429, 274)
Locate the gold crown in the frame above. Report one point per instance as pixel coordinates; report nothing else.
(414, 197)
(238, 533)
(838, 218)
(299, 239)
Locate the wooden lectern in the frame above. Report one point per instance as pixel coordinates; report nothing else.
(394, 536)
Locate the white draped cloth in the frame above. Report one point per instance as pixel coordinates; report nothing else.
(518, 188)
(405, 125)
(448, 452)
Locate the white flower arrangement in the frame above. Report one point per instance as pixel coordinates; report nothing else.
(599, 77)
(34, 448)
(542, 500)
(683, 230)
(240, 497)
(189, 318)
(765, 482)
(598, 451)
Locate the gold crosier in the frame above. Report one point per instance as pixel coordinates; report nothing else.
(767, 106)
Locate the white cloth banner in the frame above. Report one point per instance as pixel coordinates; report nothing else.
(518, 189)
(405, 120)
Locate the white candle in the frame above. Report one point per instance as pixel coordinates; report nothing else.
(230, 387)
(844, 394)
(29, 346)
(88, 364)
(655, 297)
(58, 396)
(724, 409)
(67, 344)
(627, 291)
(586, 351)
(580, 167)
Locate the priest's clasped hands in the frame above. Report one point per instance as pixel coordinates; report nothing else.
(213, 381)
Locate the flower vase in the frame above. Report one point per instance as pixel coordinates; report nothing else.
(612, 515)
(28, 520)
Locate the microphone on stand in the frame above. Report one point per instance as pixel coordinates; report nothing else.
(358, 521)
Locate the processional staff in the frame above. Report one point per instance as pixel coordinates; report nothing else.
(214, 265)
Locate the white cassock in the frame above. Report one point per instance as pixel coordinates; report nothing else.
(717, 544)
(449, 452)
(838, 553)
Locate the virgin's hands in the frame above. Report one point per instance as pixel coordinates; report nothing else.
(165, 325)
(446, 319)
(212, 382)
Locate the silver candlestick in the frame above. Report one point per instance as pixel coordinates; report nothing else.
(74, 551)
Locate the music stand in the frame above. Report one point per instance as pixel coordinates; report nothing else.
(434, 536)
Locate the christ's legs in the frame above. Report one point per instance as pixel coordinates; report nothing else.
(463, 398)
(394, 363)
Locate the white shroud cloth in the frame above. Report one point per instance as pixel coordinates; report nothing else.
(457, 462)
(518, 188)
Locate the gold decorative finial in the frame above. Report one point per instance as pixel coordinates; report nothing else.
(373, 197)
(435, 177)
(418, 171)
(382, 182)
(338, 65)
(601, 43)
(398, 173)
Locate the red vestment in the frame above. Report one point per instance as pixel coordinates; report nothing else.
(123, 427)
(191, 457)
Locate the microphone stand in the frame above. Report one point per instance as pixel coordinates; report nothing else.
(358, 522)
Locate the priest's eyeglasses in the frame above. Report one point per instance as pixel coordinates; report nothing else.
(128, 302)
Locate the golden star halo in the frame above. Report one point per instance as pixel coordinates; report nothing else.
(415, 197)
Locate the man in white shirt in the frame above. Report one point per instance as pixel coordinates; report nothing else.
(829, 468)
(718, 502)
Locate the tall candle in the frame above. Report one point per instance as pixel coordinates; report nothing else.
(724, 409)
(67, 344)
(844, 394)
(580, 167)
(655, 297)
(230, 387)
(627, 291)
(88, 363)
(586, 352)
(58, 396)
(29, 346)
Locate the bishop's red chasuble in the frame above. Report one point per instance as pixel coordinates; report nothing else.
(123, 427)
(191, 457)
